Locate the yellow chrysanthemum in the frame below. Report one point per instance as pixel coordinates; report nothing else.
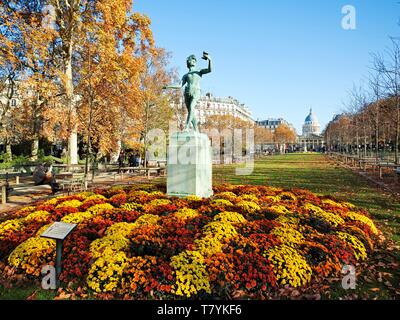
(249, 197)
(38, 216)
(361, 218)
(121, 229)
(160, 202)
(191, 274)
(106, 273)
(99, 208)
(360, 253)
(77, 217)
(186, 213)
(220, 203)
(131, 206)
(24, 211)
(32, 254)
(108, 245)
(70, 203)
(248, 206)
(274, 199)
(279, 209)
(288, 220)
(147, 219)
(332, 218)
(10, 226)
(231, 217)
(51, 202)
(193, 198)
(288, 235)
(290, 267)
(208, 246)
(230, 196)
(94, 198)
(220, 230)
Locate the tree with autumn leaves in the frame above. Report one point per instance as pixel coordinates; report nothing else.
(283, 136)
(221, 130)
(263, 136)
(83, 67)
(155, 110)
(28, 53)
(370, 123)
(228, 134)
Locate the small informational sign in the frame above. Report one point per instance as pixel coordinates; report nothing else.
(58, 230)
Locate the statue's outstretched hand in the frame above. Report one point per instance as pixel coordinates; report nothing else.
(206, 56)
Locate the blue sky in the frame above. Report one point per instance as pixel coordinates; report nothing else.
(278, 57)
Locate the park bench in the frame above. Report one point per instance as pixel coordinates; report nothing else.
(64, 175)
(353, 160)
(75, 168)
(71, 182)
(388, 165)
(127, 169)
(147, 171)
(162, 163)
(363, 162)
(158, 171)
(14, 175)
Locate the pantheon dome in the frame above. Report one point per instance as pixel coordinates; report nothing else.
(311, 125)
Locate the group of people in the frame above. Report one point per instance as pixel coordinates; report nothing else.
(134, 159)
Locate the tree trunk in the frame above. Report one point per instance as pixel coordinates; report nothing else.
(377, 134)
(89, 138)
(365, 138)
(36, 132)
(69, 90)
(358, 144)
(8, 154)
(88, 147)
(8, 151)
(384, 140)
(396, 149)
(35, 149)
(114, 155)
(146, 132)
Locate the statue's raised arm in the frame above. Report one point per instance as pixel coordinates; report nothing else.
(207, 58)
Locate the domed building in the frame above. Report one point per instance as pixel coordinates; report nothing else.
(311, 138)
(311, 125)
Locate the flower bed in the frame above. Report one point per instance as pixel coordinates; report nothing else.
(140, 244)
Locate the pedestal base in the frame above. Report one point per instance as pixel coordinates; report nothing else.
(189, 165)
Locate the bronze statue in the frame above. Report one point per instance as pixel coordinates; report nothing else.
(192, 89)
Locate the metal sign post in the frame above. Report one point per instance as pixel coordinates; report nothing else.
(58, 231)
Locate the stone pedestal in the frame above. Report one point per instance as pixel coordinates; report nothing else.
(189, 165)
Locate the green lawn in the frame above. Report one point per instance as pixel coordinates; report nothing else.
(316, 173)
(30, 292)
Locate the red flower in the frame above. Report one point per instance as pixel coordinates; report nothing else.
(118, 200)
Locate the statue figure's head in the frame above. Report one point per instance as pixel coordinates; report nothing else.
(191, 61)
